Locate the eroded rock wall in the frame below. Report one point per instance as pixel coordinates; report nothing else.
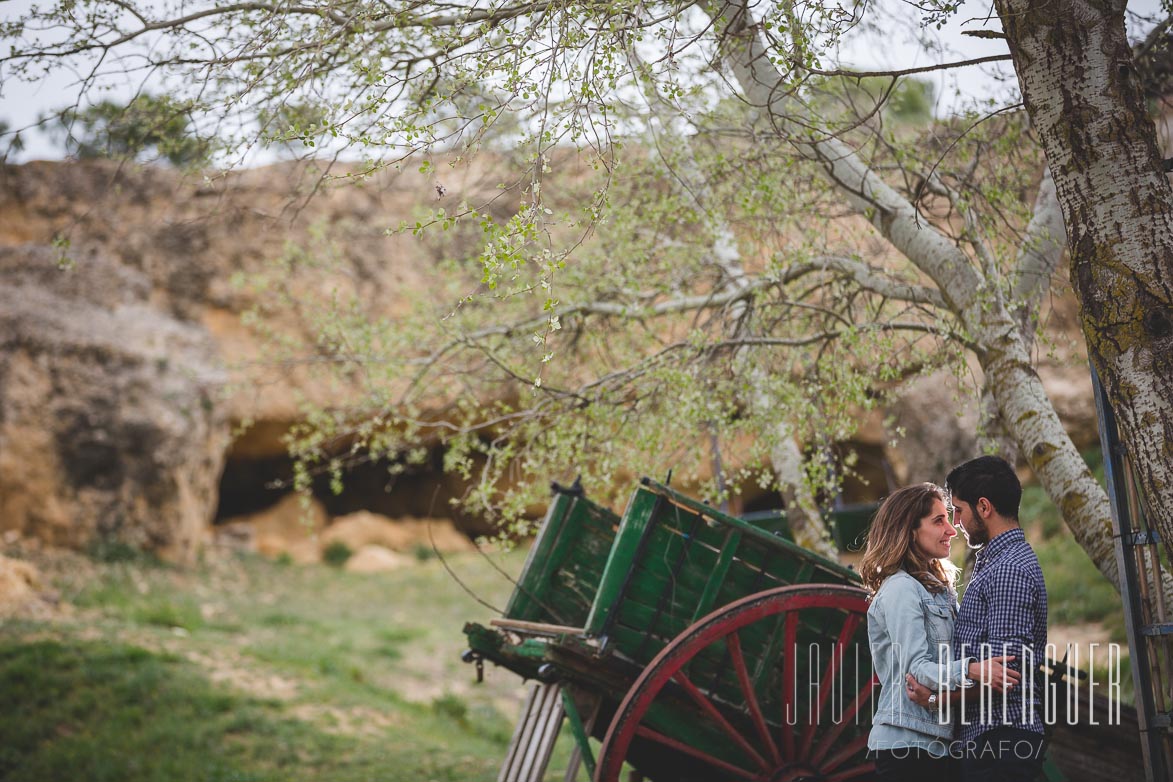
(109, 428)
(124, 365)
(120, 331)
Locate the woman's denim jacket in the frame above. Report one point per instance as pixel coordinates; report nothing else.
(910, 630)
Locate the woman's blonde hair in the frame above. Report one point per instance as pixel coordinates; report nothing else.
(890, 541)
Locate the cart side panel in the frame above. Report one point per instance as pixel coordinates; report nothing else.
(627, 547)
(680, 573)
(675, 559)
(657, 573)
(557, 585)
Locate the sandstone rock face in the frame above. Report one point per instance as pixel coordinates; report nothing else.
(300, 528)
(940, 432)
(376, 559)
(118, 353)
(117, 419)
(108, 426)
(292, 527)
(360, 529)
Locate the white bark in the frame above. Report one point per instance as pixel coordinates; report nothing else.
(975, 301)
(802, 511)
(1039, 254)
(1081, 89)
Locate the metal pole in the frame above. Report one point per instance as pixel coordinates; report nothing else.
(1153, 726)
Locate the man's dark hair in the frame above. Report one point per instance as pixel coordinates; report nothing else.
(991, 477)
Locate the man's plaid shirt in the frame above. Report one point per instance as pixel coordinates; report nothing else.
(1004, 612)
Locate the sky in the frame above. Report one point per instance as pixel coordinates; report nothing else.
(894, 48)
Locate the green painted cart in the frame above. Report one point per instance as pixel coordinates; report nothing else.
(683, 644)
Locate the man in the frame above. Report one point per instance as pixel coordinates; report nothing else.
(1003, 612)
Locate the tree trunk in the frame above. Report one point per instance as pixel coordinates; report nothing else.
(1085, 100)
(1002, 350)
(1031, 418)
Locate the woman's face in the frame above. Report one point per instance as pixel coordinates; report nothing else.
(934, 533)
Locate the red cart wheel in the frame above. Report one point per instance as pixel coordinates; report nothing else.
(770, 688)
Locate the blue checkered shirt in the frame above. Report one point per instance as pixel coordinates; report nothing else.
(1003, 612)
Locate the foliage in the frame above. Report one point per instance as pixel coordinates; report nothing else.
(906, 100)
(423, 552)
(713, 243)
(147, 127)
(296, 127)
(11, 141)
(631, 358)
(336, 553)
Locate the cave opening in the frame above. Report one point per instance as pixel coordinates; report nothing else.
(252, 483)
(255, 479)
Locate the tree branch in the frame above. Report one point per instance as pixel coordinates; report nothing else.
(853, 74)
(1038, 255)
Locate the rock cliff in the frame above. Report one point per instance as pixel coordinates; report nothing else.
(125, 369)
(121, 334)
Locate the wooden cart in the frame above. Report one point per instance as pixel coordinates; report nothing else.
(693, 645)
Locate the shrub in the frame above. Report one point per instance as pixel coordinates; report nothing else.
(336, 554)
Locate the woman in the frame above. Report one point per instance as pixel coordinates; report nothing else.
(910, 627)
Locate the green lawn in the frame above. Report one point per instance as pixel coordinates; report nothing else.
(243, 669)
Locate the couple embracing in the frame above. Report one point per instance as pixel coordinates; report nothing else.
(958, 700)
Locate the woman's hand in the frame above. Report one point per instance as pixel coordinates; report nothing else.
(923, 696)
(917, 692)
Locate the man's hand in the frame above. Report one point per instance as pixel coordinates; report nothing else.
(990, 673)
(995, 673)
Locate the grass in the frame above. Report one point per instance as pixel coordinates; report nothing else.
(246, 669)
(243, 669)
(107, 711)
(1076, 590)
(101, 711)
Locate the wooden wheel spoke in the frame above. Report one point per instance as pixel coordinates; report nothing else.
(833, 731)
(826, 684)
(692, 751)
(733, 644)
(855, 771)
(651, 732)
(709, 708)
(845, 754)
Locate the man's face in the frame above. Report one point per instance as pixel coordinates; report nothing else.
(976, 531)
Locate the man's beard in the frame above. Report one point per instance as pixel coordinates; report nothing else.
(977, 534)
